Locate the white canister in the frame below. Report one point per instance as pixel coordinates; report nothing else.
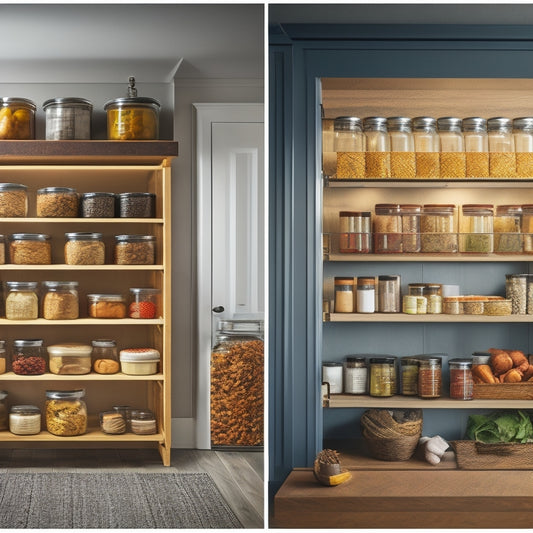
(332, 374)
(25, 420)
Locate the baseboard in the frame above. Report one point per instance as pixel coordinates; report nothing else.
(183, 433)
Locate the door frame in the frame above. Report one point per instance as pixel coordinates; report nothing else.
(206, 115)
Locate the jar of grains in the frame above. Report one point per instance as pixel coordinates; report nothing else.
(105, 356)
(28, 357)
(516, 291)
(136, 204)
(144, 302)
(438, 230)
(30, 249)
(461, 381)
(402, 145)
(13, 200)
(66, 412)
(476, 147)
(3, 410)
(502, 159)
(143, 422)
(17, 118)
(523, 143)
(21, 300)
(427, 147)
(134, 250)
(382, 376)
(60, 300)
(355, 234)
(429, 376)
(344, 295)
(389, 294)
(476, 228)
(432, 292)
(527, 228)
(349, 145)
(409, 376)
(106, 305)
(387, 229)
(452, 149)
(418, 290)
(3, 357)
(25, 420)
(97, 204)
(68, 119)
(84, 248)
(377, 147)
(355, 375)
(57, 202)
(410, 214)
(332, 373)
(507, 229)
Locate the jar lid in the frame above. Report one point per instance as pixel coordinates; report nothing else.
(65, 394)
(355, 359)
(347, 123)
(523, 123)
(366, 281)
(481, 358)
(354, 213)
(144, 290)
(21, 343)
(136, 194)
(383, 360)
(517, 276)
(29, 237)
(497, 123)
(445, 207)
(132, 101)
(388, 278)
(409, 360)
(83, 236)
(60, 284)
(344, 281)
(126, 238)
(22, 285)
(98, 194)
(481, 209)
(241, 326)
(460, 362)
(424, 123)
(449, 123)
(142, 414)
(429, 359)
(104, 343)
(399, 124)
(106, 297)
(387, 209)
(374, 122)
(64, 190)
(331, 364)
(508, 210)
(70, 348)
(16, 100)
(475, 124)
(144, 355)
(12, 187)
(25, 409)
(68, 101)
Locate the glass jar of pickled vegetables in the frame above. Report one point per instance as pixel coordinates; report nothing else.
(66, 412)
(349, 145)
(382, 376)
(377, 147)
(507, 229)
(476, 147)
(427, 147)
(402, 145)
(17, 118)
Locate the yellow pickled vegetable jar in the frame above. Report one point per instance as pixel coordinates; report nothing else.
(17, 118)
(132, 119)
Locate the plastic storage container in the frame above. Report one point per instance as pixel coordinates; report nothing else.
(516, 290)
(402, 145)
(427, 147)
(104, 356)
(438, 228)
(25, 420)
(144, 303)
(476, 147)
(508, 238)
(136, 204)
(349, 144)
(476, 228)
(355, 232)
(410, 214)
(382, 376)
(502, 159)
(523, 143)
(84, 248)
(139, 361)
(17, 118)
(97, 204)
(68, 118)
(66, 412)
(60, 300)
(28, 357)
(112, 422)
(389, 298)
(13, 200)
(387, 229)
(106, 305)
(21, 300)
(57, 202)
(134, 250)
(69, 358)
(452, 148)
(527, 228)
(377, 147)
(30, 249)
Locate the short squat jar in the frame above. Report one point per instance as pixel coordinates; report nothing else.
(21, 300)
(98, 204)
(136, 204)
(25, 420)
(68, 119)
(112, 422)
(134, 250)
(13, 200)
(28, 357)
(143, 422)
(84, 248)
(60, 300)
(66, 412)
(104, 356)
(30, 249)
(144, 302)
(57, 202)
(17, 118)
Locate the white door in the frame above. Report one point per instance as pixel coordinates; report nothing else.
(230, 205)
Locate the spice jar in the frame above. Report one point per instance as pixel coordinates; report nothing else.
(349, 145)
(143, 422)
(502, 160)
(427, 147)
(409, 376)
(429, 376)
(237, 380)
(60, 300)
(476, 147)
(410, 214)
(68, 119)
(438, 230)
(21, 300)
(377, 147)
(387, 229)
(516, 291)
(507, 225)
(84, 248)
(476, 228)
(30, 249)
(28, 357)
(344, 295)
(104, 356)
(132, 118)
(136, 204)
(106, 305)
(366, 295)
(461, 381)
(523, 142)
(3, 357)
(97, 204)
(69, 358)
(112, 422)
(382, 376)
(134, 250)
(452, 149)
(13, 200)
(25, 420)
(144, 303)
(57, 202)
(355, 375)
(17, 118)
(389, 294)
(433, 295)
(354, 228)
(332, 373)
(3, 410)
(66, 412)
(402, 145)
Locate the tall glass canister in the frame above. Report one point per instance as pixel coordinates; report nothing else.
(476, 147)
(377, 148)
(502, 160)
(452, 148)
(476, 228)
(427, 147)
(349, 145)
(402, 145)
(523, 144)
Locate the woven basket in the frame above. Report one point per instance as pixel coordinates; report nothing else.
(474, 455)
(394, 449)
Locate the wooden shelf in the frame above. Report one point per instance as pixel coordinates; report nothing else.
(434, 258)
(56, 267)
(93, 376)
(485, 183)
(85, 322)
(78, 220)
(426, 319)
(92, 435)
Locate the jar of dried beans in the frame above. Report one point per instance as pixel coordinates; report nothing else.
(13, 200)
(98, 204)
(523, 143)
(60, 300)
(84, 248)
(452, 148)
(427, 147)
(57, 202)
(377, 147)
(349, 145)
(429, 376)
(476, 147)
(387, 229)
(28, 357)
(461, 381)
(502, 159)
(402, 145)
(136, 204)
(516, 291)
(21, 300)
(30, 249)
(237, 370)
(66, 412)
(134, 250)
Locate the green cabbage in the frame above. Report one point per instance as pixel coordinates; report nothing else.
(500, 426)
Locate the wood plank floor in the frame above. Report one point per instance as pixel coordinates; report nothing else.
(239, 475)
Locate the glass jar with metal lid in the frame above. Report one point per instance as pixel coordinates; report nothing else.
(476, 147)
(21, 300)
(57, 202)
(3, 410)
(402, 145)
(66, 412)
(516, 291)
(502, 159)
(349, 144)
(452, 148)
(25, 420)
(355, 375)
(68, 118)
(387, 229)
(432, 292)
(144, 302)
(30, 249)
(13, 200)
(132, 118)
(3, 357)
(28, 357)
(134, 250)
(104, 356)
(409, 376)
(429, 376)
(377, 147)
(143, 422)
(508, 238)
(136, 204)
(17, 118)
(106, 305)
(60, 300)
(461, 380)
(427, 147)
(382, 376)
(389, 300)
(355, 232)
(69, 358)
(438, 228)
(84, 248)
(523, 143)
(97, 204)
(476, 228)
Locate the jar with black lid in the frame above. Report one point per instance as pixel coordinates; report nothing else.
(136, 204)
(57, 202)
(68, 118)
(429, 376)
(84, 248)
(13, 200)
(28, 357)
(17, 118)
(355, 375)
(98, 204)
(382, 376)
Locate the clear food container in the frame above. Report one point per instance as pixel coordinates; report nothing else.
(84, 248)
(476, 147)
(355, 232)
(508, 238)
(136, 204)
(66, 412)
(3, 410)
(30, 249)
(410, 214)
(60, 300)
(139, 361)
(516, 291)
(104, 356)
(409, 376)
(349, 145)
(476, 228)
(429, 376)
(68, 118)
(17, 118)
(28, 357)
(438, 228)
(523, 142)
(98, 204)
(427, 147)
(144, 302)
(402, 145)
(3, 357)
(377, 147)
(13, 200)
(21, 300)
(57, 202)
(387, 229)
(461, 380)
(452, 148)
(134, 250)
(25, 420)
(527, 228)
(143, 422)
(106, 305)
(69, 358)
(382, 376)
(502, 160)
(112, 422)
(344, 295)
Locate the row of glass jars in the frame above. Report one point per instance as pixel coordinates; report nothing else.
(419, 375)
(59, 300)
(61, 202)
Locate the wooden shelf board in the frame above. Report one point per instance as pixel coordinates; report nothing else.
(430, 184)
(78, 220)
(86, 322)
(93, 376)
(403, 317)
(92, 435)
(423, 257)
(62, 266)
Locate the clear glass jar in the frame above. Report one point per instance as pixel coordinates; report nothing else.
(355, 375)
(143, 422)
(68, 119)
(402, 145)
(30, 249)
(21, 300)
(134, 250)
(427, 147)
(516, 291)
(57, 202)
(410, 214)
(13, 200)
(237, 370)
(476, 147)
(144, 303)
(438, 228)
(502, 160)
(387, 229)
(106, 306)
(477, 228)
(527, 228)
(136, 204)
(66, 412)
(349, 145)
(461, 380)
(84, 248)
(418, 290)
(452, 147)
(382, 376)
(389, 300)
(112, 422)
(104, 356)
(355, 233)
(125, 411)
(507, 229)
(409, 304)
(3, 357)
(97, 204)
(17, 118)
(3, 410)
(69, 358)
(25, 420)
(377, 147)
(523, 142)
(60, 300)
(434, 299)
(344, 295)
(366, 295)
(28, 357)
(332, 373)
(429, 376)
(409, 376)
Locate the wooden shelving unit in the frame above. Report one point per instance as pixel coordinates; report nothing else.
(94, 166)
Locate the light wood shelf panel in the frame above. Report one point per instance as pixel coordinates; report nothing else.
(433, 258)
(471, 183)
(426, 319)
(74, 268)
(93, 376)
(92, 435)
(86, 322)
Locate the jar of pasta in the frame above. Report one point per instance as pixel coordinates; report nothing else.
(17, 118)
(30, 249)
(21, 300)
(387, 229)
(84, 248)
(349, 145)
(452, 148)
(377, 147)
(382, 376)
(438, 228)
(502, 159)
(427, 147)
(66, 412)
(13, 200)
(60, 300)
(402, 145)
(476, 228)
(57, 202)
(28, 357)
(476, 147)
(507, 229)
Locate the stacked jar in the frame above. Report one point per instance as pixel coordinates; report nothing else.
(355, 232)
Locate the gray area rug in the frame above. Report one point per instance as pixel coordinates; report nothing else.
(112, 500)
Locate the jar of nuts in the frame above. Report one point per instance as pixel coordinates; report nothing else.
(84, 248)
(134, 250)
(106, 305)
(60, 300)
(136, 204)
(28, 357)
(57, 202)
(30, 249)
(13, 200)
